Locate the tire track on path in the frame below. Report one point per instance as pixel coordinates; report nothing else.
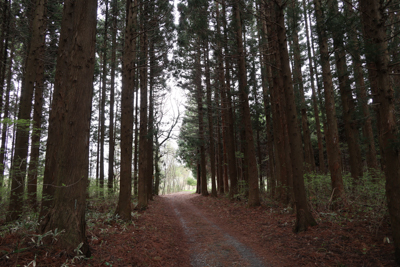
(208, 243)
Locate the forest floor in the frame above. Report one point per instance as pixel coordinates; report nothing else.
(187, 229)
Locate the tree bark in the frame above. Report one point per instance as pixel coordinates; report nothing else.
(254, 198)
(298, 79)
(348, 105)
(304, 217)
(111, 140)
(338, 194)
(210, 122)
(4, 129)
(19, 163)
(69, 127)
(375, 37)
(322, 167)
(103, 102)
(128, 85)
(143, 140)
(199, 98)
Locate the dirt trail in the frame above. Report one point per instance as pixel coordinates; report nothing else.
(209, 244)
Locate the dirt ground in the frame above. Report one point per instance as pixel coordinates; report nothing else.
(190, 230)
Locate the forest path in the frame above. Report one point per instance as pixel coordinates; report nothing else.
(208, 242)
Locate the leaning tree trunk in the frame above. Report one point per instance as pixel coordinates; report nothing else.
(69, 126)
(377, 55)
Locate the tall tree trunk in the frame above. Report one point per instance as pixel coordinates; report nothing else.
(373, 19)
(277, 108)
(368, 134)
(37, 123)
(230, 146)
(224, 111)
(4, 40)
(338, 194)
(210, 122)
(304, 217)
(199, 98)
(69, 127)
(322, 167)
(254, 198)
(143, 145)
(111, 140)
(136, 140)
(266, 76)
(150, 136)
(348, 105)
(128, 85)
(19, 163)
(4, 129)
(103, 102)
(298, 77)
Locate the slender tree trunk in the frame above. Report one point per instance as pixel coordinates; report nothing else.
(375, 37)
(224, 111)
(298, 77)
(4, 40)
(136, 141)
(19, 163)
(69, 127)
(322, 167)
(277, 109)
(348, 105)
(230, 145)
(103, 102)
(254, 198)
(128, 85)
(4, 129)
(143, 145)
(150, 135)
(368, 134)
(266, 76)
(37, 123)
(210, 122)
(199, 98)
(304, 217)
(111, 141)
(338, 194)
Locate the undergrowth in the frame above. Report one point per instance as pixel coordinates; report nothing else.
(21, 236)
(365, 200)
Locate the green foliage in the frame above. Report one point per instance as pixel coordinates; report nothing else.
(191, 182)
(365, 198)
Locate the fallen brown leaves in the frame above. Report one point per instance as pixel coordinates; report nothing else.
(156, 238)
(268, 231)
